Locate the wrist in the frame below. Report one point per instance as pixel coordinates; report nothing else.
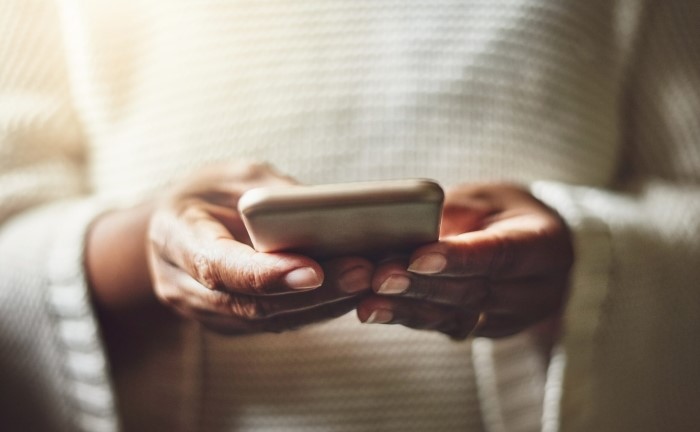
(116, 261)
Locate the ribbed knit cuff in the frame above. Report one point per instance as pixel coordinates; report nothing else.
(510, 382)
(89, 386)
(568, 391)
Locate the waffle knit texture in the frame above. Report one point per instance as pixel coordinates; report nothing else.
(594, 104)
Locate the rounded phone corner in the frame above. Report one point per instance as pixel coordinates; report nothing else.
(251, 199)
(431, 189)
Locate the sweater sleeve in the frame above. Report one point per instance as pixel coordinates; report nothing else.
(52, 366)
(630, 353)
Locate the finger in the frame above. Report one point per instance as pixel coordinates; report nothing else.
(234, 326)
(349, 275)
(464, 213)
(199, 244)
(454, 322)
(458, 324)
(230, 219)
(392, 279)
(533, 298)
(530, 249)
(223, 183)
(181, 291)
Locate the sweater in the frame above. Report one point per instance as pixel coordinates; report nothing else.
(594, 105)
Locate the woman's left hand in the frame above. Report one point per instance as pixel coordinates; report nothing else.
(501, 265)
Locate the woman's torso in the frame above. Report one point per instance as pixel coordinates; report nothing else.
(340, 90)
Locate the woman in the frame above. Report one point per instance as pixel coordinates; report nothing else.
(115, 114)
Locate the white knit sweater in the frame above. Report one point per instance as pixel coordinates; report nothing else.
(594, 104)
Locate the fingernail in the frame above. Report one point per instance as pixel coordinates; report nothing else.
(380, 316)
(302, 278)
(354, 280)
(429, 264)
(394, 284)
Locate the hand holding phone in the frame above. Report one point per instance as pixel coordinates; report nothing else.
(203, 267)
(367, 219)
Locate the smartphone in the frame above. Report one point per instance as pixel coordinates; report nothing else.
(367, 219)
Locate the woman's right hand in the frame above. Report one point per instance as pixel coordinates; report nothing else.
(202, 265)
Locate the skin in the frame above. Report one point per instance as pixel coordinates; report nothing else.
(190, 253)
(501, 265)
(502, 255)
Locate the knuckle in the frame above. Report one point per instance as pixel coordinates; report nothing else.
(504, 256)
(166, 294)
(158, 234)
(558, 237)
(252, 170)
(166, 290)
(254, 167)
(256, 278)
(206, 271)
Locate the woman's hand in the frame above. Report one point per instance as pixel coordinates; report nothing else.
(202, 265)
(501, 265)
